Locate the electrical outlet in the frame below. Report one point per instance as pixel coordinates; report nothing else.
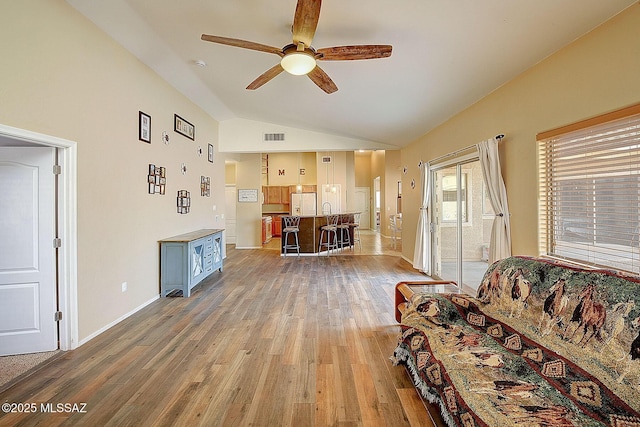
(124, 286)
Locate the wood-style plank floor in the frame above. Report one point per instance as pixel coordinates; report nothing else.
(271, 341)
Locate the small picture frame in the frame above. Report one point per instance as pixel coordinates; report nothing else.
(247, 195)
(183, 127)
(326, 159)
(210, 153)
(144, 127)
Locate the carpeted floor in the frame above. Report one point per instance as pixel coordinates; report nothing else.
(12, 367)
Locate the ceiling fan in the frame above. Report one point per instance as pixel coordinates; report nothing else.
(299, 57)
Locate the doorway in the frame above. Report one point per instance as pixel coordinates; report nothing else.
(376, 204)
(461, 222)
(363, 205)
(22, 291)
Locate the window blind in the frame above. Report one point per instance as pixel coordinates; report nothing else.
(590, 194)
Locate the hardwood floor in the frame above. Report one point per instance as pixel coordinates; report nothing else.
(270, 341)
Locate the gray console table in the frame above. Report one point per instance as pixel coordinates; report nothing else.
(187, 259)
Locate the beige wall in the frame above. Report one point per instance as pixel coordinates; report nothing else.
(596, 74)
(290, 164)
(363, 168)
(248, 214)
(63, 77)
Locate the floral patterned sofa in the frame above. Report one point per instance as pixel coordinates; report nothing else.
(542, 344)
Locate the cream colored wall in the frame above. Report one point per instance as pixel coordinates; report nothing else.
(245, 136)
(378, 169)
(334, 173)
(596, 74)
(62, 76)
(291, 163)
(230, 173)
(363, 169)
(392, 176)
(248, 214)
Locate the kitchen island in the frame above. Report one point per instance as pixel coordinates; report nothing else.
(309, 234)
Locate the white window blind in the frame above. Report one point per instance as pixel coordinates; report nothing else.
(590, 193)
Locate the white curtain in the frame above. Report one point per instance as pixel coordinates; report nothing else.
(500, 243)
(422, 250)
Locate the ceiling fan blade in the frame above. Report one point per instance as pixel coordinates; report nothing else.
(347, 53)
(243, 44)
(305, 21)
(265, 77)
(324, 82)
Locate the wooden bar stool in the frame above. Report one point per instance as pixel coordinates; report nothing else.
(331, 229)
(291, 226)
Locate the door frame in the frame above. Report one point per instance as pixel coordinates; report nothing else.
(67, 266)
(456, 162)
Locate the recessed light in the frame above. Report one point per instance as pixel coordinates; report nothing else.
(200, 63)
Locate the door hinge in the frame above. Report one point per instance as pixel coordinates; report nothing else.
(57, 316)
(57, 169)
(57, 243)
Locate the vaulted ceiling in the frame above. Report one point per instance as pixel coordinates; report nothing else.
(447, 54)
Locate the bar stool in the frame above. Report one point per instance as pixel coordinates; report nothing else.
(330, 228)
(343, 225)
(356, 229)
(291, 226)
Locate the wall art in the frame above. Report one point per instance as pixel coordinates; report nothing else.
(205, 186)
(248, 195)
(156, 179)
(144, 127)
(183, 201)
(210, 153)
(183, 127)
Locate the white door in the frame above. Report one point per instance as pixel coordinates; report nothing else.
(362, 204)
(27, 262)
(230, 209)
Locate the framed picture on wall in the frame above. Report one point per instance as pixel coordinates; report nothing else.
(210, 153)
(144, 127)
(183, 127)
(248, 195)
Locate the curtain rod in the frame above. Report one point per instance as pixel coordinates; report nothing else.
(499, 137)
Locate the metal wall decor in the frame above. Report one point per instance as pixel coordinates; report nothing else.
(205, 186)
(183, 201)
(156, 179)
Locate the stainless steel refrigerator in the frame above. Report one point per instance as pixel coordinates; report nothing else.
(303, 204)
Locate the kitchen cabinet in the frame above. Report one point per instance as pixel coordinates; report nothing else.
(276, 194)
(277, 226)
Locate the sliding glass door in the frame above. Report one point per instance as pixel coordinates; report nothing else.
(461, 222)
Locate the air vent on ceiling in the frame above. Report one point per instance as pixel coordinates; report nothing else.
(272, 137)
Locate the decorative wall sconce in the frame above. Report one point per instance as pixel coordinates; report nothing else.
(183, 169)
(165, 137)
(183, 201)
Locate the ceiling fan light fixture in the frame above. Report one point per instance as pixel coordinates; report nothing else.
(298, 63)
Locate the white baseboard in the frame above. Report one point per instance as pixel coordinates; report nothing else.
(118, 320)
